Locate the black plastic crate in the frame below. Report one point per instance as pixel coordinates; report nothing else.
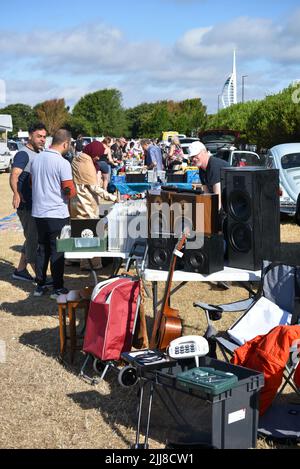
(228, 420)
(175, 177)
(135, 177)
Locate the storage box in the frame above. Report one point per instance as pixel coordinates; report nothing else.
(176, 177)
(227, 420)
(118, 179)
(207, 380)
(81, 245)
(192, 177)
(127, 223)
(135, 177)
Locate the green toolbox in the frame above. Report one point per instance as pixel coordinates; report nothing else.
(81, 245)
(208, 380)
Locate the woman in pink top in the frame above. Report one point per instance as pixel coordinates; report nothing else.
(176, 154)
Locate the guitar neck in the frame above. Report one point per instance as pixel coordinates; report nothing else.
(158, 318)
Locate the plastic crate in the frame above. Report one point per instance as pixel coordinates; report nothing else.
(118, 179)
(192, 177)
(81, 245)
(228, 420)
(176, 177)
(127, 223)
(135, 177)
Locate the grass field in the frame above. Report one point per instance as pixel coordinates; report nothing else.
(43, 402)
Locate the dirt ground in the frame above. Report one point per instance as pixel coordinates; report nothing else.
(43, 402)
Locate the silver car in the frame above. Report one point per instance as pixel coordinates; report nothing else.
(286, 158)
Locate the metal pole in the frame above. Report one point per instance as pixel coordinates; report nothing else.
(219, 102)
(243, 88)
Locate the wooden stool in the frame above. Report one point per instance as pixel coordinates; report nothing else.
(67, 306)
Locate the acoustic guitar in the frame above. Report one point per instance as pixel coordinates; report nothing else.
(167, 324)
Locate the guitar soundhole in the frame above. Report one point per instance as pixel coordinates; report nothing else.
(160, 256)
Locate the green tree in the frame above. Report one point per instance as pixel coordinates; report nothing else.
(22, 116)
(100, 113)
(135, 117)
(276, 120)
(151, 119)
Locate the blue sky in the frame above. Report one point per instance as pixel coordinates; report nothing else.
(149, 50)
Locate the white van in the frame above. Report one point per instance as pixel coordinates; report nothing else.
(5, 156)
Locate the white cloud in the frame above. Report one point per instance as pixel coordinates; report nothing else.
(88, 57)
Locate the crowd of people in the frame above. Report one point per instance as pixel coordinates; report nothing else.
(49, 187)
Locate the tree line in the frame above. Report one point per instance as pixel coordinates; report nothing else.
(267, 122)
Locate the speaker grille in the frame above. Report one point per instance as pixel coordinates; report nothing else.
(239, 205)
(240, 237)
(197, 260)
(159, 257)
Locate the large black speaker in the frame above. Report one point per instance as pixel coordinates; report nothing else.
(160, 250)
(207, 259)
(250, 198)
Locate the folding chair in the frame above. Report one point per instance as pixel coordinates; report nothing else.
(280, 283)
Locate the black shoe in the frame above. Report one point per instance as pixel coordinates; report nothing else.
(40, 291)
(22, 275)
(56, 293)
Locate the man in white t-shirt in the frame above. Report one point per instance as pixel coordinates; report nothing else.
(52, 188)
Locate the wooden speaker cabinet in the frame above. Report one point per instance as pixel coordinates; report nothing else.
(199, 212)
(159, 216)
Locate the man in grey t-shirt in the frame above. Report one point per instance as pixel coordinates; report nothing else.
(52, 188)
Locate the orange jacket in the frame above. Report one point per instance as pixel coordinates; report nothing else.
(269, 354)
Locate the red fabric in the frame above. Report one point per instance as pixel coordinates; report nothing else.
(269, 354)
(94, 149)
(68, 189)
(109, 328)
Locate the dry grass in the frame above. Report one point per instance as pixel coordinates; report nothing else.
(43, 402)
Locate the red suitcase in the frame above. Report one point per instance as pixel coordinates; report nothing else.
(111, 319)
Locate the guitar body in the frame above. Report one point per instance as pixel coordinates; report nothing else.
(171, 329)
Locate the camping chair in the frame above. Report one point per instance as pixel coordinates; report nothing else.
(280, 283)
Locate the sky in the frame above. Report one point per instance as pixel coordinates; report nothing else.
(149, 50)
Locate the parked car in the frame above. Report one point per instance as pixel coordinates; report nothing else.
(185, 143)
(240, 158)
(215, 139)
(14, 147)
(286, 158)
(8, 154)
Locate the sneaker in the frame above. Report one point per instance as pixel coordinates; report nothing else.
(40, 291)
(56, 293)
(48, 283)
(22, 275)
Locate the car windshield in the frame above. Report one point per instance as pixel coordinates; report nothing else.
(291, 160)
(188, 140)
(218, 137)
(12, 146)
(245, 159)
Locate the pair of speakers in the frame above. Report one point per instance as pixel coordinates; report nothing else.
(205, 259)
(250, 198)
(172, 212)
